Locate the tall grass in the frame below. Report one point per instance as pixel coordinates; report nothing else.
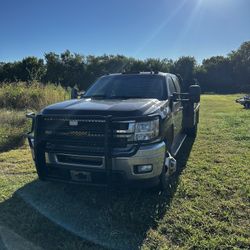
(13, 126)
(15, 99)
(35, 96)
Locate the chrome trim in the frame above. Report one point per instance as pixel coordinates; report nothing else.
(128, 121)
(150, 154)
(197, 107)
(70, 119)
(147, 155)
(125, 133)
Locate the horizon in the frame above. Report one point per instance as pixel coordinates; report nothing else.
(141, 29)
(136, 58)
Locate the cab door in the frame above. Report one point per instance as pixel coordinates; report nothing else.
(176, 107)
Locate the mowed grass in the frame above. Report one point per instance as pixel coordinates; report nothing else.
(210, 208)
(207, 206)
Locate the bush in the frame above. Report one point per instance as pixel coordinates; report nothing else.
(35, 96)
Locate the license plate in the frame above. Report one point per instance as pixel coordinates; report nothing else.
(81, 176)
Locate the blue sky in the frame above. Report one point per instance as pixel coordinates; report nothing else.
(137, 28)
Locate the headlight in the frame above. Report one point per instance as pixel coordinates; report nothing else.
(148, 130)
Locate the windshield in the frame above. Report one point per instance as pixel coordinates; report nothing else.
(128, 86)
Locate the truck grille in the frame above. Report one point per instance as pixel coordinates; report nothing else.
(77, 134)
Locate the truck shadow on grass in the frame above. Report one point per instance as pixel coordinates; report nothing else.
(116, 219)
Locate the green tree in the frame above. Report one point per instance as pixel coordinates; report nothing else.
(31, 68)
(73, 69)
(240, 61)
(185, 67)
(217, 74)
(54, 69)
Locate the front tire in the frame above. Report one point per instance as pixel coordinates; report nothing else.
(164, 179)
(168, 170)
(41, 175)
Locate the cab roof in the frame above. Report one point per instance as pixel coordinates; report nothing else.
(144, 73)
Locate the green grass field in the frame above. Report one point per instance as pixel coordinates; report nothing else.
(207, 206)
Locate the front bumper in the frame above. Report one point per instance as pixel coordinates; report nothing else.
(60, 166)
(147, 155)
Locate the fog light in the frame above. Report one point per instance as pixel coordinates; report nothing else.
(141, 169)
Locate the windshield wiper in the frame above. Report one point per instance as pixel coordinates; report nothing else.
(95, 96)
(124, 97)
(114, 97)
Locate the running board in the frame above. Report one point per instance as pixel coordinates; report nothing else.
(177, 144)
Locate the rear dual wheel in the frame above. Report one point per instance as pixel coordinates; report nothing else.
(192, 132)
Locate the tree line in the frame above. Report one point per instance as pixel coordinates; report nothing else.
(219, 74)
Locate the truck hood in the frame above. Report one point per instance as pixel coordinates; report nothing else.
(119, 108)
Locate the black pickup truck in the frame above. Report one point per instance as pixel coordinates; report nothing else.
(126, 128)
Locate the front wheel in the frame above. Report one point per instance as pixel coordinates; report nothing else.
(164, 180)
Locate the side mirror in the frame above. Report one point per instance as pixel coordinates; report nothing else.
(194, 93)
(74, 93)
(173, 98)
